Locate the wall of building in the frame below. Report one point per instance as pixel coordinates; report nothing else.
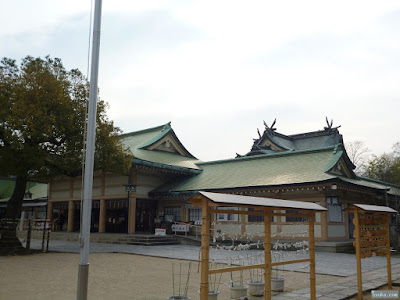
(105, 186)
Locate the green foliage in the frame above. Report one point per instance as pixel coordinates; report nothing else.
(42, 119)
(385, 167)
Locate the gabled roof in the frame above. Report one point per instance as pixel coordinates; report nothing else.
(266, 170)
(239, 200)
(372, 208)
(280, 169)
(159, 146)
(272, 141)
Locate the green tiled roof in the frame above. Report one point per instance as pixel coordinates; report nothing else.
(136, 141)
(38, 190)
(265, 170)
(392, 189)
(166, 158)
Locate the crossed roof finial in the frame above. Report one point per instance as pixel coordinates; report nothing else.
(272, 126)
(330, 125)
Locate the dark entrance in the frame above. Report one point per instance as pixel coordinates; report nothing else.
(351, 225)
(60, 216)
(77, 216)
(94, 222)
(145, 215)
(117, 216)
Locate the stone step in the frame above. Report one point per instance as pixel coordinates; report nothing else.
(127, 239)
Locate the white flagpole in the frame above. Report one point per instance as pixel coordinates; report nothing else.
(83, 272)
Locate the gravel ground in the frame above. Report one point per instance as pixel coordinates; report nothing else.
(111, 276)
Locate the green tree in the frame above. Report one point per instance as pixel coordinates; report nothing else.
(42, 121)
(385, 167)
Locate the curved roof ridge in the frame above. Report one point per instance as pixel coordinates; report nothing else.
(262, 156)
(312, 133)
(156, 128)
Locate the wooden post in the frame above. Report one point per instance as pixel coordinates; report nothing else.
(132, 201)
(48, 235)
(49, 214)
(28, 237)
(205, 247)
(311, 218)
(71, 212)
(358, 254)
(102, 215)
(267, 254)
(389, 269)
(132, 214)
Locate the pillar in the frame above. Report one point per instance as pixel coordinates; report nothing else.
(102, 215)
(324, 221)
(311, 247)
(49, 211)
(132, 202)
(358, 253)
(71, 212)
(267, 253)
(205, 248)
(243, 221)
(132, 213)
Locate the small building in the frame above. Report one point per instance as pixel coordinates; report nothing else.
(35, 199)
(312, 167)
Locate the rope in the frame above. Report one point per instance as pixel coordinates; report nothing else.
(86, 115)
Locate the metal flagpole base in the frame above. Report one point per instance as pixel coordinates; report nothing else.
(83, 275)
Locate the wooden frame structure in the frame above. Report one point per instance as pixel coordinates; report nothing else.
(372, 236)
(265, 206)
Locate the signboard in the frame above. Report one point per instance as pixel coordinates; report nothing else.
(180, 227)
(160, 231)
(373, 240)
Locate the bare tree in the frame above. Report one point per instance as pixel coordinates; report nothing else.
(358, 153)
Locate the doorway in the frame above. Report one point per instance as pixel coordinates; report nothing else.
(351, 225)
(145, 215)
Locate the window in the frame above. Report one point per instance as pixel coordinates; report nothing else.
(295, 218)
(194, 214)
(334, 209)
(227, 217)
(253, 218)
(173, 214)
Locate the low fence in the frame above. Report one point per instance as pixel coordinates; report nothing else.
(193, 228)
(26, 230)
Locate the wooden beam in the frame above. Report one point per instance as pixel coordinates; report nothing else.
(261, 266)
(235, 268)
(267, 254)
(253, 213)
(311, 248)
(236, 212)
(358, 254)
(389, 268)
(289, 262)
(205, 247)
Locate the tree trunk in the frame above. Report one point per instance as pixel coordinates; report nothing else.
(9, 242)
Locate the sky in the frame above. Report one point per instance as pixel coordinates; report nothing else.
(218, 69)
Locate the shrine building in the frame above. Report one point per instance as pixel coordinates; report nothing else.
(311, 167)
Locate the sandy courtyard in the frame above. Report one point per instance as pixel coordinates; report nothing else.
(111, 276)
